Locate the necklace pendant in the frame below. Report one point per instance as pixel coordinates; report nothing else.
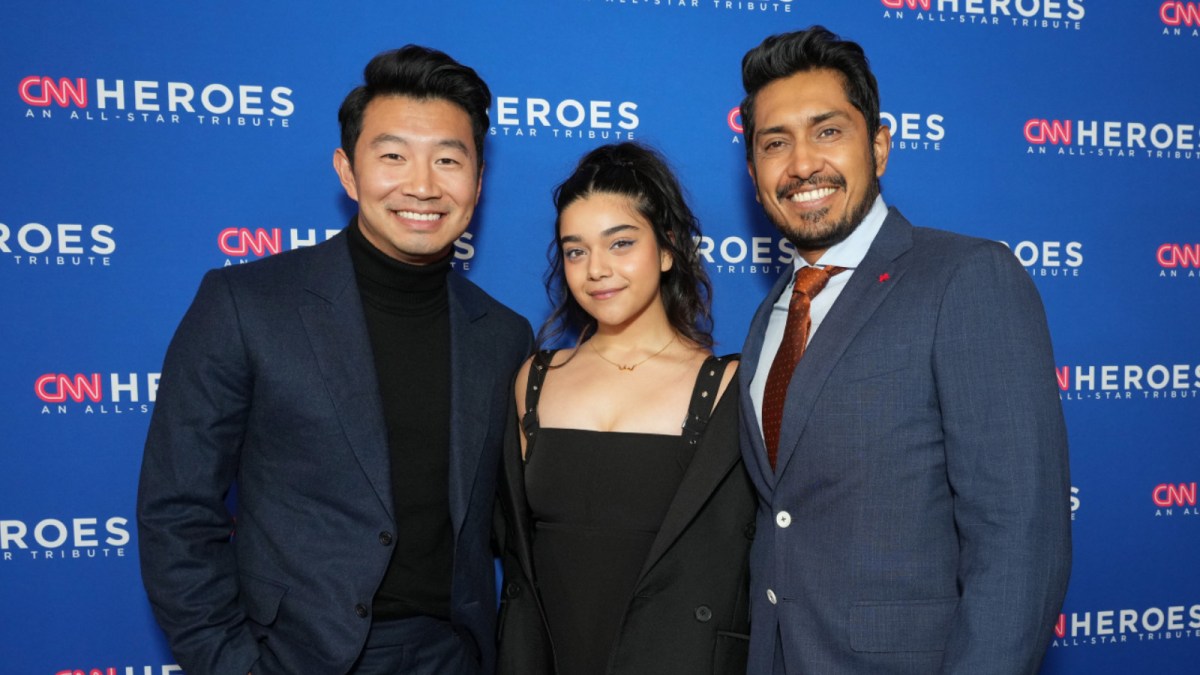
(629, 368)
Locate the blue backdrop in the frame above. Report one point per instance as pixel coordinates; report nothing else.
(144, 143)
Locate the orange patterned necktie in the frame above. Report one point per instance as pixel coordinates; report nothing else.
(809, 282)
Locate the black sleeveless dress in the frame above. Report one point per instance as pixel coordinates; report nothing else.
(597, 499)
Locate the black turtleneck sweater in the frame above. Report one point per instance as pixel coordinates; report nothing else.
(408, 320)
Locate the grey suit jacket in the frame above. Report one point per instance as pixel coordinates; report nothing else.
(918, 520)
(270, 382)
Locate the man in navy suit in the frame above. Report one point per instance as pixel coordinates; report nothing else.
(912, 464)
(357, 393)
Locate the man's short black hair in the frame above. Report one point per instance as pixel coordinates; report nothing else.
(423, 74)
(815, 48)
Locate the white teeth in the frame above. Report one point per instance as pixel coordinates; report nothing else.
(813, 195)
(413, 215)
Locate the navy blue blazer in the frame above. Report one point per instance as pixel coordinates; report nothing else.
(270, 382)
(918, 520)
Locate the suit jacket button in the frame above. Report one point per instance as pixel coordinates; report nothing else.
(703, 613)
(749, 531)
(512, 590)
(771, 596)
(361, 610)
(783, 519)
(385, 538)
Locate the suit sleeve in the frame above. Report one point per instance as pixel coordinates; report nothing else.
(191, 458)
(1006, 455)
(499, 520)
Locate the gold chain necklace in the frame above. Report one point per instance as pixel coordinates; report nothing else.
(630, 367)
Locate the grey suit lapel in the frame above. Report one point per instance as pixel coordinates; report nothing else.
(472, 383)
(337, 332)
(864, 293)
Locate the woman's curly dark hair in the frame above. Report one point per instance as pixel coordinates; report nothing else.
(641, 174)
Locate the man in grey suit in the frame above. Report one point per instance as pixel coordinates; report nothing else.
(901, 425)
(356, 392)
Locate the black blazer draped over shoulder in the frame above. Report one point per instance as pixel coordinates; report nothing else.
(689, 613)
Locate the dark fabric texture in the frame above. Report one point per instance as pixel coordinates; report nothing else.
(270, 384)
(680, 541)
(406, 309)
(918, 518)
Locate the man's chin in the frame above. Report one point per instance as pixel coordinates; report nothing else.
(805, 230)
(818, 233)
(808, 240)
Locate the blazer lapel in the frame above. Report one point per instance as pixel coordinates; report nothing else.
(873, 279)
(472, 384)
(337, 332)
(751, 432)
(714, 457)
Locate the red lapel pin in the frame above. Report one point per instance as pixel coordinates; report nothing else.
(884, 277)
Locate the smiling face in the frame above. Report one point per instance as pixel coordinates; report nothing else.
(815, 167)
(414, 176)
(611, 260)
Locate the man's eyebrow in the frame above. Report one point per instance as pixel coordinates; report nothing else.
(388, 138)
(443, 143)
(812, 120)
(817, 119)
(454, 143)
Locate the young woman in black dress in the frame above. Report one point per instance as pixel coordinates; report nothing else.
(629, 513)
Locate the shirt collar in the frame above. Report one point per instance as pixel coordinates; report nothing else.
(849, 252)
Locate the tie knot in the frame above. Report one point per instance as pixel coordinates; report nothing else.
(810, 280)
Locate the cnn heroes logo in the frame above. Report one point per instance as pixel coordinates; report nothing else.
(1172, 499)
(747, 7)
(1178, 261)
(155, 102)
(750, 7)
(1109, 138)
(910, 130)
(242, 245)
(69, 539)
(58, 245)
(1156, 382)
(564, 119)
(746, 255)
(1049, 258)
(96, 393)
(167, 669)
(1024, 14)
(770, 255)
(1116, 626)
(657, 4)
(1180, 19)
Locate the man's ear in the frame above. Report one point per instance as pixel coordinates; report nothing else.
(882, 147)
(753, 179)
(345, 172)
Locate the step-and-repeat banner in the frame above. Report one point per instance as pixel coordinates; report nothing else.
(144, 143)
